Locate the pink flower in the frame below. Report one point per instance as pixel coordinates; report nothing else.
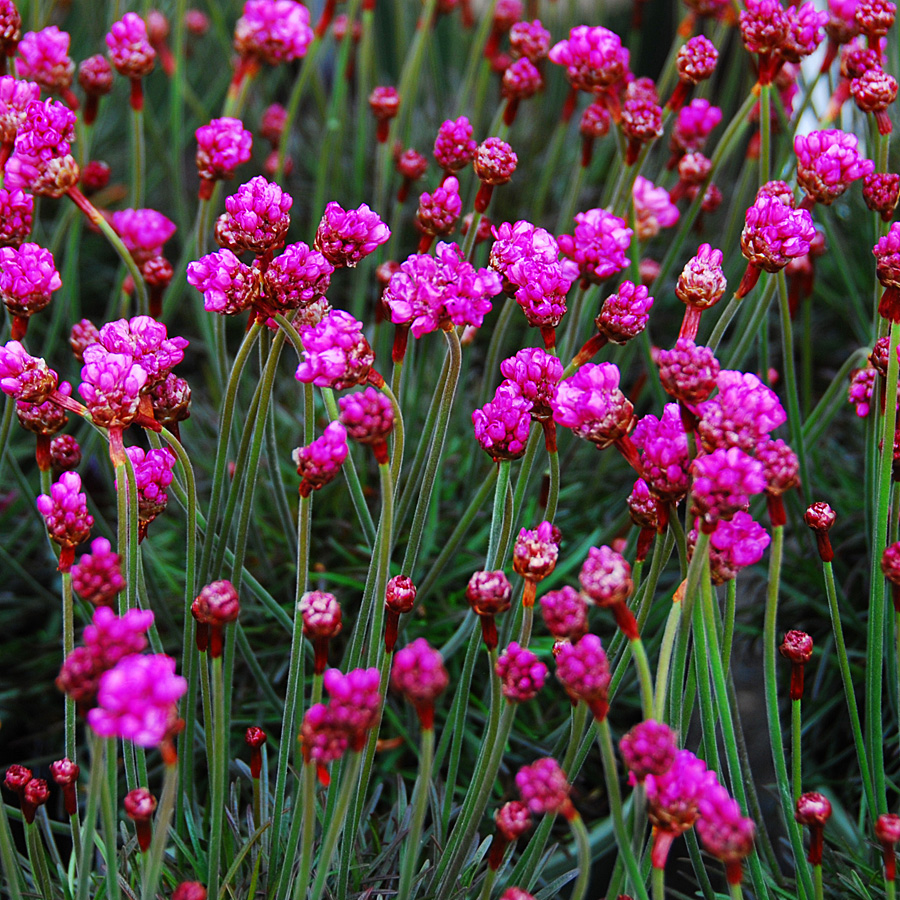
(228, 286)
(367, 415)
(774, 234)
(530, 39)
(297, 277)
(502, 425)
(806, 29)
(16, 211)
(605, 577)
(688, 371)
(598, 245)
(521, 672)
(28, 277)
(734, 545)
(673, 797)
(322, 737)
(827, 162)
(494, 161)
(543, 787)
(702, 281)
(535, 553)
(143, 231)
(15, 96)
(648, 749)
(725, 832)
(694, 124)
(418, 673)
(97, 576)
(66, 516)
(110, 638)
(593, 57)
(439, 211)
(741, 414)
(112, 386)
(336, 354)
(146, 341)
(129, 49)
(724, 480)
(153, 474)
(521, 80)
(624, 315)
(536, 373)
(320, 462)
(591, 404)
(277, 31)
(541, 288)
(583, 670)
(41, 162)
(665, 459)
(652, 208)
(137, 699)
(881, 191)
(454, 147)
(862, 386)
(222, 146)
(355, 702)
(345, 237)
(24, 377)
(764, 25)
(521, 241)
(44, 59)
(887, 257)
(565, 614)
(696, 60)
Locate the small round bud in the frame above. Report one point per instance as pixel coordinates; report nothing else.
(400, 594)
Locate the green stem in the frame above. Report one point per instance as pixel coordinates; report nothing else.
(89, 825)
(68, 625)
(500, 489)
(645, 679)
(583, 843)
(219, 776)
(796, 756)
(817, 880)
(308, 807)
(658, 883)
(156, 856)
(673, 621)
(12, 871)
(137, 160)
(419, 807)
(38, 860)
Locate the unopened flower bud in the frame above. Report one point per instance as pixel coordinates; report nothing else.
(255, 737)
(140, 805)
(797, 647)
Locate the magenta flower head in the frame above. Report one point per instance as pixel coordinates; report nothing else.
(24, 377)
(143, 231)
(827, 162)
(439, 211)
(688, 371)
(320, 462)
(137, 700)
(535, 553)
(742, 413)
(724, 481)
(112, 386)
(399, 598)
(355, 702)
(147, 342)
(110, 638)
(520, 241)
(806, 30)
(454, 147)
(129, 50)
(593, 57)
(652, 208)
(598, 245)
(228, 286)
(512, 820)
(725, 832)
(97, 576)
(813, 810)
(153, 473)
(494, 163)
(216, 606)
(321, 614)
(322, 738)
(222, 146)
(565, 614)
(695, 62)
(336, 353)
(881, 191)
(66, 515)
(16, 216)
(887, 268)
(544, 788)
(15, 97)
(521, 672)
(648, 749)
(345, 237)
(28, 278)
(10, 27)
(782, 474)
(540, 290)
(275, 31)
(41, 162)
(734, 545)
(256, 218)
(502, 424)
(368, 417)
(693, 125)
(605, 577)
(384, 102)
(583, 670)
(297, 277)
(641, 122)
(529, 39)
(591, 404)
(44, 59)
(488, 593)
(665, 459)
(536, 373)
(625, 314)
(764, 27)
(418, 673)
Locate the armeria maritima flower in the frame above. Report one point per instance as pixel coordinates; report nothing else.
(741, 414)
(228, 285)
(583, 670)
(97, 576)
(521, 672)
(598, 245)
(256, 217)
(827, 162)
(502, 425)
(16, 216)
(593, 57)
(665, 459)
(648, 749)
(24, 377)
(336, 353)
(129, 50)
(275, 31)
(544, 788)
(593, 406)
(454, 146)
(565, 614)
(440, 210)
(147, 342)
(345, 237)
(734, 545)
(28, 278)
(368, 417)
(418, 673)
(44, 58)
(652, 208)
(153, 474)
(112, 386)
(66, 515)
(320, 462)
(222, 146)
(724, 481)
(688, 371)
(725, 832)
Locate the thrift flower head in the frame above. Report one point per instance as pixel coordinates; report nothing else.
(512, 820)
(642, 506)
(97, 576)
(673, 797)
(535, 552)
(521, 80)
(355, 702)
(665, 459)
(605, 576)
(16, 215)
(48, 417)
(228, 286)
(518, 241)
(521, 672)
(321, 735)
(28, 278)
(297, 277)
(345, 237)
(147, 342)
(696, 60)
(742, 413)
(112, 386)
(688, 371)
(44, 58)
(502, 425)
(66, 515)
(598, 245)
(653, 209)
(320, 462)
(454, 147)
(488, 593)
(542, 289)
(887, 257)
(593, 57)
(530, 39)
(95, 76)
(827, 162)
(171, 400)
(694, 124)
(439, 211)
(881, 191)
(222, 146)
(143, 231)
(583, 670)
(418, 673)
(110, 638)
(648, 749)
(15, 96)
(10, 27)
(774, 234)
(536, 373)
(591, 404)
(129, 50)
(367, 415)
(276, 31)
(734, 545)
(725, 832)
(336, 354)
(256, 218)
(724, 480)
(153, 473)
(565, 614)
(41, 162)
(24, 377)
(806, 29)
(780, 465)
(764, 25)
(494, 161)
(625, 314)
(544, 788)
(136, 699)
(321, 614)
